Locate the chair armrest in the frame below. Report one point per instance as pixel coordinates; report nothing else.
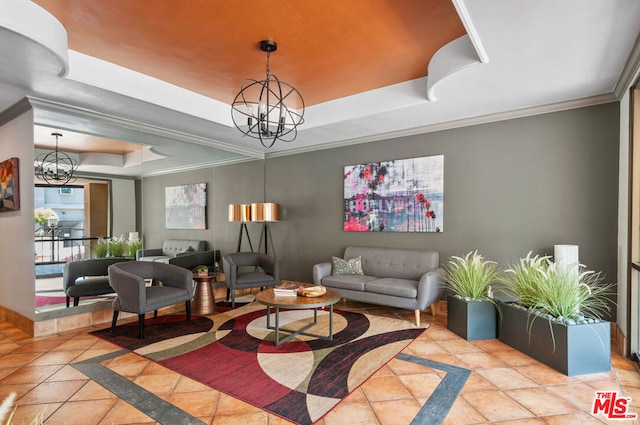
(430, 287)
(230, 270)
(320, 271)
(129, 287)
(174, 276)
(273, 270)
(270, 266)
(148, 252)
(68, 278)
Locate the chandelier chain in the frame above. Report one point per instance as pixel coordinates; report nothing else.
(267, 67)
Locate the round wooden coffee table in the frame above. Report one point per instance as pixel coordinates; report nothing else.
(268, 298)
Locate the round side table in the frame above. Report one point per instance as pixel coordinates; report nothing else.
(203, 300)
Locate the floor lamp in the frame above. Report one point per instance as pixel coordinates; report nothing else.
(241, 213)
(266, 212)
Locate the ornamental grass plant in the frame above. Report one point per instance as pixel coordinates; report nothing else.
(101, 248)
(117, 247)
(7, 407)
(470, 277)
(570, 294)
(133, 245)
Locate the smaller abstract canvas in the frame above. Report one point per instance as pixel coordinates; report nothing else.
(404, 195)
(186, 206)
(9, 185)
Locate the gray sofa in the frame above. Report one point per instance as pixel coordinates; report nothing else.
(393, 277)
(186, 253)
(87, 278)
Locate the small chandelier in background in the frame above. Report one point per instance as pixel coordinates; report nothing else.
(56, 168)
(266, 109)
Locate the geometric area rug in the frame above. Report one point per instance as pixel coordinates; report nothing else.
(300, 380)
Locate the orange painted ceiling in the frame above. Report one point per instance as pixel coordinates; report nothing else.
(79, 143)
(327, 49)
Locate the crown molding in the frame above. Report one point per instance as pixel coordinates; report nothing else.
(15, 110)
(130, 125)
(198, 166)
(465, 122)
(467, 22)
(630, 72)
(29, 103)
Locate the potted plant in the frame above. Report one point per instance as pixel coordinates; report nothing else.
(133, 245)
(202, 271)
(117, 247)
(101, 248)
(471, 309)
(557, 315)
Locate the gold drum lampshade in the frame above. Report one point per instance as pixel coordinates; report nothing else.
(234, 212)
(239, 212)
(265, 211)
(245, 212)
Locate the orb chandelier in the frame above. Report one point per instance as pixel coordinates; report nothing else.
(269, 109)
(56, 168)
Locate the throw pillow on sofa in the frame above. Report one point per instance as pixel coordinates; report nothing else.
(189, 250)
(340, 267)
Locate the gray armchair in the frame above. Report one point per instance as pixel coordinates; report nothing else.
(241, 271)
(86, 278)
(134, 296)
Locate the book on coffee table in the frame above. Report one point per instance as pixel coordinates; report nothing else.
(288, 289)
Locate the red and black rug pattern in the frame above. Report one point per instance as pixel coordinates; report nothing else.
(300, 380)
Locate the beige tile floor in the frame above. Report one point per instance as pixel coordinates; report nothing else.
(505, 386)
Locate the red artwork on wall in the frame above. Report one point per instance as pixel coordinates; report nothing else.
(403, 195)
(9, 185)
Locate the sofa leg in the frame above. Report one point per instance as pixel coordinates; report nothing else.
(433, 309)
(417, 317)
(187, 306)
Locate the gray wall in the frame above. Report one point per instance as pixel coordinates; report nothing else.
(510, 187)
(241, 183)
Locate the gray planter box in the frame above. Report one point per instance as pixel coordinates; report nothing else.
(471, 319)
(579, 349)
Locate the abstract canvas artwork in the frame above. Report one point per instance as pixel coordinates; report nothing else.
(9, 185)
(186, 206)
(404, 195)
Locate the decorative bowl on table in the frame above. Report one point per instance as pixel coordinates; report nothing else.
(312, 291)
(202, 271)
